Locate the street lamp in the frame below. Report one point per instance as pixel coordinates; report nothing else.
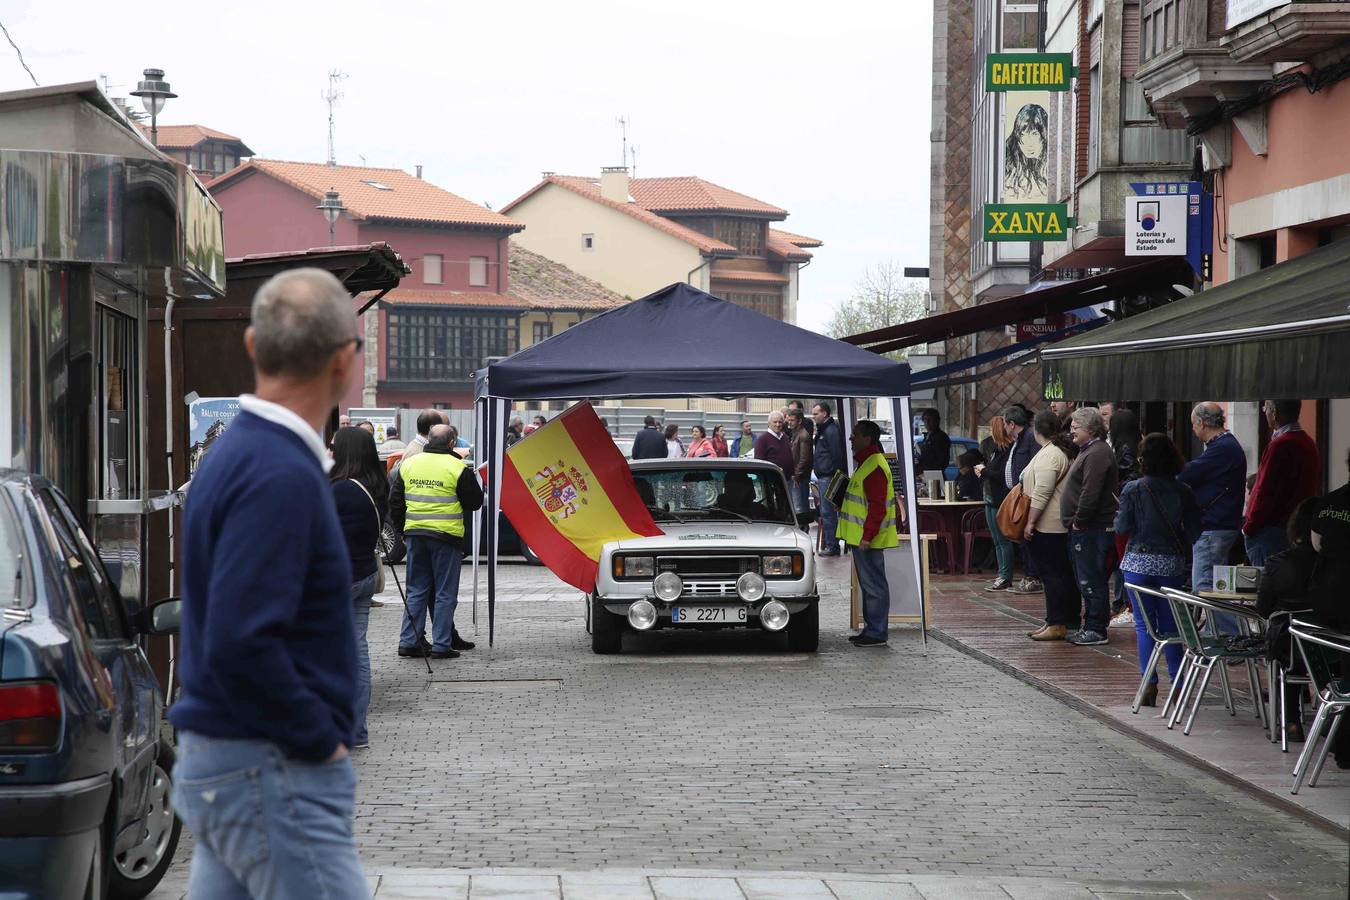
(331, 207)
(153, 91)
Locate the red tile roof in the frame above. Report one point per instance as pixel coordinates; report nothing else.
(180, 137)
(688, 193)
(590, 188)
(454, 299)
(781, 247)
(800, 240)
(545, 284)
(401, 197)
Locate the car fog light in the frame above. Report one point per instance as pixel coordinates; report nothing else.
(642, 615)
(774, 615)
(750, 587)
(667, 586)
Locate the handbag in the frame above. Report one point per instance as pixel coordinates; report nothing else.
(1015, 509)
(379, 524)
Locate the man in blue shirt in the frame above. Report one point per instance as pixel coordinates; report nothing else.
(1218, 478)
(827, 458)
(268, 663)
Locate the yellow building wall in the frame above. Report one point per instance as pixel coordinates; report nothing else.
(630, 257)
(561, 322)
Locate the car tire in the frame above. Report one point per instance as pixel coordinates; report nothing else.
(132, 881)
(530, 558)
(803, 629)
(392, 547)
(606, 629)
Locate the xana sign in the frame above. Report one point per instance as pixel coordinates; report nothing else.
(1026, 221)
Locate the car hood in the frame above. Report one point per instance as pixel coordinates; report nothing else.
(720, 535)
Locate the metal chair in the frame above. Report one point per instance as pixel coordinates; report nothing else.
(1279, 677)
(1333, 694)
(973, 525)
(1205, 651)
(1161, 639)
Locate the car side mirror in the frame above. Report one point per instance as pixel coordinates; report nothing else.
(164, 617)
(807, 516)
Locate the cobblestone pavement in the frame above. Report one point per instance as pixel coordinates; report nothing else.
(720, 751)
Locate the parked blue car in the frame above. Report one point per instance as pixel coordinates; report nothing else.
(84, 771)
(959, 445)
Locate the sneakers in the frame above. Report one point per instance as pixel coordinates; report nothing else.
(1086, 637)
(1027, 586)
(362, 745)
(861, 641)
(1050, 633)
(1123, 618)
(1001, 584)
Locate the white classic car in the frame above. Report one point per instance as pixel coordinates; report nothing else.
(734, 555)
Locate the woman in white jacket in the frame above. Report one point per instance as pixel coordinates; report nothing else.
(1047, 540)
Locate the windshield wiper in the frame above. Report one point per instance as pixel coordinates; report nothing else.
(667, 512)
(719, 509)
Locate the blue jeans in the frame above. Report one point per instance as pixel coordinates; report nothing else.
(1160, 614)
(1212, 549)
(1005, 551)
(432, 570)
(1088, 549)
(801, 493)
(266, 826)
(362, 591)
(829, 516)
(1263, 543)
(876, 593)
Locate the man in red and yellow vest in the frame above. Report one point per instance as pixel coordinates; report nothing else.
(867, 524)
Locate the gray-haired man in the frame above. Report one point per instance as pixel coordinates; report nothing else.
(1218, 479)
(268, 661)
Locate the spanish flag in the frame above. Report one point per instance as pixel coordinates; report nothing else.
(568, 491)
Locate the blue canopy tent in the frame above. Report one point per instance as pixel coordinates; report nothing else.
(681, 342)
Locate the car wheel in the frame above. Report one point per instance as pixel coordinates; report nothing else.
(606, 629)
(530, 558)
(803, 630)
(392, 547)
(136, 872)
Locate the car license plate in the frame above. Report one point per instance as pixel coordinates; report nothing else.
(694, 615)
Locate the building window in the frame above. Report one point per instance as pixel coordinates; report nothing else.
(446, 344)
(542, 331)
(770, 305)
(431, 268)
(478, 271)
(588, 242)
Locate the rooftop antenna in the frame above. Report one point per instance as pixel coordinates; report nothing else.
(623, 132)
(633, 152)
(331, 97)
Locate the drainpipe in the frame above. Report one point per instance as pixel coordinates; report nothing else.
(705, 264)
(168, 456)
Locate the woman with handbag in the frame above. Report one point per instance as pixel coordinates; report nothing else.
(1047, 540)
(997, 448)
(361, 494)
(1161, 519)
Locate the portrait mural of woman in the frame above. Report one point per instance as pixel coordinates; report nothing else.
(1024, 153)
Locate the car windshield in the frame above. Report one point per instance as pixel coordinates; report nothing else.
(703, 494)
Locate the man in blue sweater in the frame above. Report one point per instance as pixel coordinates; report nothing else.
(268, 663)
(1218, 478)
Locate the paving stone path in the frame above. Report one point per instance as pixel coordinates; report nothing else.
(720, 751)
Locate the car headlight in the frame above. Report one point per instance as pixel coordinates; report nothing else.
(786, 565)
(774, 616)
(634, 566)
(642, 614)
(667, 586)
(750, 587)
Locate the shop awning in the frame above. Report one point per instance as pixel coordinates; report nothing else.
(1049, 301)
(1280, 332)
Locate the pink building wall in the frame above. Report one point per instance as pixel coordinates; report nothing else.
(1308, 139)
(262, 215)
(455, 247)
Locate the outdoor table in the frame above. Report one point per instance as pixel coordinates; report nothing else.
(1229, 596)
(951, 512)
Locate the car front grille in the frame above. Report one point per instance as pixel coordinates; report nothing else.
(720, 567)
(709, 589)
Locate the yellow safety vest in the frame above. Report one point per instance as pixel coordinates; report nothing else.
(429, 484)
(853, 511)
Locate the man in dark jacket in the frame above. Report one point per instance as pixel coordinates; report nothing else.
(1088, 510)
(267, 662)
(801, 461)
(935, 453)
(827, 457)
(650, 443)
(1017, 423)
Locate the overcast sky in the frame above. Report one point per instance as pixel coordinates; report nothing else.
(820, 108)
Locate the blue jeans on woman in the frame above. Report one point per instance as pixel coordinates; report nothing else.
(1088, 548)
(362, 591)
(266, 826)
(1160, 614)
(1005, 551)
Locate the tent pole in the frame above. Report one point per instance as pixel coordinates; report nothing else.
(476, 520)
(900, 408)
(497, 437)
(489, 511)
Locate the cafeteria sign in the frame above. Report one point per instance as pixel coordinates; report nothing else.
(1028, 72)
(1026, 221)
